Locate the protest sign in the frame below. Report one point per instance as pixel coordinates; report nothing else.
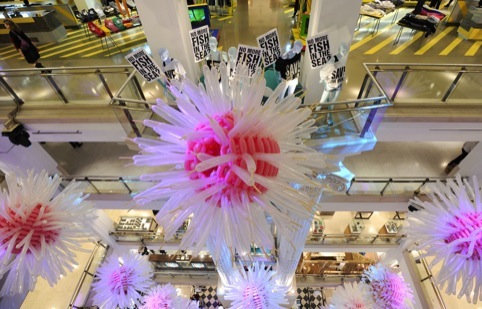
(269, 43)
(200, 42)
(319, 50)
(249, 56)
(145, 65)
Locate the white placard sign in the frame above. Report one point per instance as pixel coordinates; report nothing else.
(319, 50)
(249, 56)
(269, 43)
(145, 65)
(200, 42)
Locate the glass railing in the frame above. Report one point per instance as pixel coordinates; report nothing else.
(425, 84)
(401, 186)
(122, 88)
(82, 291)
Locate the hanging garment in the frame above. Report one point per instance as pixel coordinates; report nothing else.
(289, 68)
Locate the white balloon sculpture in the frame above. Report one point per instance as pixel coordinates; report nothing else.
(232, 160)
(39, 229)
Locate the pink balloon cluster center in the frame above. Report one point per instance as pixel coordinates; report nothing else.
(211, 145)
(252, 294)
(120, 280)
(35, 225)
(392, 290)
(468, 232)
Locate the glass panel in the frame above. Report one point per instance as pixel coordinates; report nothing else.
(138, 186)
(109, 186)
(424, 86)
(388, 81)
(402, 188)
(468, 90)
(23, 84)
(367, 188)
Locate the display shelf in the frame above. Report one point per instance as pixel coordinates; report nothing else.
(136, 224)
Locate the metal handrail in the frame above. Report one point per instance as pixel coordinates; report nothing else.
(85, 272)
(432, 283)
(431, 65)
(124, 181)
(373, 68)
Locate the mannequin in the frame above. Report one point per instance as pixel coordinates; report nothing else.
(123, 9)
(215, 56)
(232, 52)
(332, 76)
(171, 67)
(289, 66)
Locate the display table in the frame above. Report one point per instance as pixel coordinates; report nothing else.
(40, 26)
(389, 228)
(136, 224)
(354, 229)
(471, 25)
(317, 227)
(64, 12)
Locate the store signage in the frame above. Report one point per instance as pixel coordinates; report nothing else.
(269, 43)
(145, 65)
(249, 56)
(319, 50)
(200, 43)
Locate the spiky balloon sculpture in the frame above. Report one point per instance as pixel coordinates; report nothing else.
(255, 289)
(449, 228)
(122, 280)
(165, 297)
(387, 288)
(231, 158)
(351, 295)
(40, 230)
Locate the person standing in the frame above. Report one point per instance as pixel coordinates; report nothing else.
(466, 148)
(23, 43)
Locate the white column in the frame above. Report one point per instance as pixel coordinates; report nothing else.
(339, 19)
(166, 24)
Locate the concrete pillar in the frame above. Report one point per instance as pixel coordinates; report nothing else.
(166, 24)
(339, 21)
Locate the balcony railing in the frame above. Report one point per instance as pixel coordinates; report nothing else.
(429, 84)
(402, 186)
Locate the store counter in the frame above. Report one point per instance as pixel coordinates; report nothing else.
(40, 26)
(64, 11)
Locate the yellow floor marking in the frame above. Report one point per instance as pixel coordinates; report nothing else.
(289, 10)
(111, 47)
(473, 49)
(403, 46)
(370, 37)
(381, 45)
(91, 43)
(434, 41)
(224, 18)
(451, 47)
(116, 51)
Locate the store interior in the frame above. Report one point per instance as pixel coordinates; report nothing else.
(363, 235)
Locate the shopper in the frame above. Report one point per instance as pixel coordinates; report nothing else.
(297, 7)
(466, 148)
(23, 44)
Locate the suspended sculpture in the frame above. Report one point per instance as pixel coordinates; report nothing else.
(165, 296)
(351, 295)
(449, 227)
(255, 289)
(387, 288)
(39, 229)
(228, 160)
(120, 281)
